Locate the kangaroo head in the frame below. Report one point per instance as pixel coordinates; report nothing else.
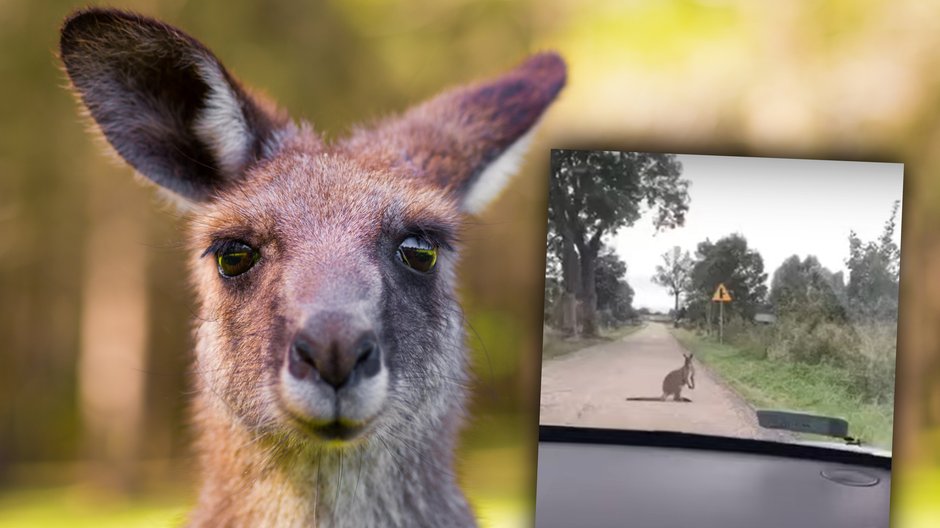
(324, 272)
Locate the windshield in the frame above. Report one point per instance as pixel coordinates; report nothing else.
(686, 293)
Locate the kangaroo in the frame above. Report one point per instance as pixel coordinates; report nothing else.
(330, 371)
(673, 383)
(675, 380)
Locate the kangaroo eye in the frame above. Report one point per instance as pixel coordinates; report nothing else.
(418, 254)
(236, 258)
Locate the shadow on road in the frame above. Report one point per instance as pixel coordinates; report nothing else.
(683, 399)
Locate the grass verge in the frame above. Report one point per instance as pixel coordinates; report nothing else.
(73, 507)
(554, 345)
(769, 383)
(493, 464)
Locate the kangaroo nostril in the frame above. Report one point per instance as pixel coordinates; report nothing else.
(301, 363)
(368, 357)
(364, 350)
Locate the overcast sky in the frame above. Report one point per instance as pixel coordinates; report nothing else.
(781, 206)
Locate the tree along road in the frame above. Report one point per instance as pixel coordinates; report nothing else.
(590, 387)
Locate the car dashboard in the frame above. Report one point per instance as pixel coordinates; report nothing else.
(651, 479)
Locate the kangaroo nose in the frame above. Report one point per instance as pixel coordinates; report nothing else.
(334, 362)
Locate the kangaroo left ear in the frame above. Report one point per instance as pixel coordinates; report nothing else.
(165, 102)
(470, 140)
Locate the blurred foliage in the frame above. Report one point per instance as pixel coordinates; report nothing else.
(731, 262)
(674, 274)
(614, 293)
(809, 290)
(853, 79)
(593, 194)
(74, 508)
(874, 270)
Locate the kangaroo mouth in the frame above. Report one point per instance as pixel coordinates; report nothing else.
(336, 430)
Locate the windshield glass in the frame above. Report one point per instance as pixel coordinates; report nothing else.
(684, 293)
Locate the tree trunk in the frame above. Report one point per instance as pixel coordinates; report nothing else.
(589, 293)
(571, 281)
(708, 317)
(675, 312)
(113, 351)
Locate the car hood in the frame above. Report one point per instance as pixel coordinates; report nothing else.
(848, 447)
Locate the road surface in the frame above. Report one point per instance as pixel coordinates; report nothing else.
(590, 388)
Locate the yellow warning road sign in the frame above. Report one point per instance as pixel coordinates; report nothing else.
(721, 294)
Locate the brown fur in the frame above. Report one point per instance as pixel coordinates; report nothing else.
(326, 221)
(681, 377)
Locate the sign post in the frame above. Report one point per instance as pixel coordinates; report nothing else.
(721, 296)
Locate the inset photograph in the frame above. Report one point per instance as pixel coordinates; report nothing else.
(717, 304)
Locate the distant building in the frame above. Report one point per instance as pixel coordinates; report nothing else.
(765, 318)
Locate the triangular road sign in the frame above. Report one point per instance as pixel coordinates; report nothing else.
(721, 294)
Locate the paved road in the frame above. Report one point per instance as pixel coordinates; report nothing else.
(590, 387)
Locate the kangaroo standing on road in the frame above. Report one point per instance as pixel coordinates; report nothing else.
(330, 367)
(681, 377)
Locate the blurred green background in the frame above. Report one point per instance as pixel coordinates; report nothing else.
(91, 264)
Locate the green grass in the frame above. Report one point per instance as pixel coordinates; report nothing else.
(769, 383)
(914, 504)
(499, 494)
(493, 462)
(74, 507)
(503, 504)
(554, 345)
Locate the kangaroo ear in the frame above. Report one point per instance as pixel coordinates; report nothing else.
(470, 140)
(164, 102)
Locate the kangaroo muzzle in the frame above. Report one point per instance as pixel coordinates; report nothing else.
(334, 354)
(333, 378)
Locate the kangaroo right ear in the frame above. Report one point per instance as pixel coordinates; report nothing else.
(164, 102)
(470, 140)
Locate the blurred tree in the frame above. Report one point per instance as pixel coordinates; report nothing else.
(595, 193)
(553, 286)
(614, 293)
(740, 269)
(673, 274)
(874, 269)
(113, 347)
(807, 290)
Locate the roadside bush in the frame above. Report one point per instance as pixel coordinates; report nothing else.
(866, 352)
(754, 340)
(811, 342)
(874, 362)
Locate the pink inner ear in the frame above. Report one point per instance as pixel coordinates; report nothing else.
(164, 102)
(451, 139)
(498, 113)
